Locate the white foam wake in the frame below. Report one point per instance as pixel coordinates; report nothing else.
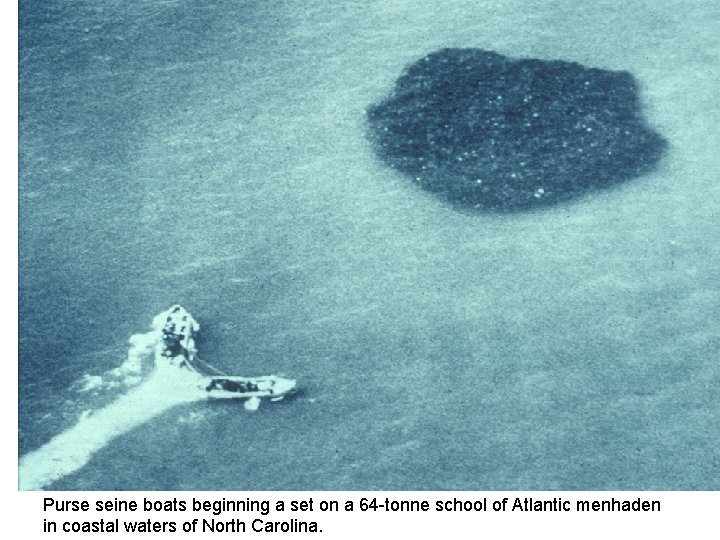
(72, 449)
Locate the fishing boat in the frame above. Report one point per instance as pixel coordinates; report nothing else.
(171, 343)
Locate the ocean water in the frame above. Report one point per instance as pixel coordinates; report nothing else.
(214, 154)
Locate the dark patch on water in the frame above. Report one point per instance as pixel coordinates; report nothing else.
(487, 131)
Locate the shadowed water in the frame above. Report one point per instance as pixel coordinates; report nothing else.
(489, 132)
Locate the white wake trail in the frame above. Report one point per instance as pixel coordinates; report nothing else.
(72, 449)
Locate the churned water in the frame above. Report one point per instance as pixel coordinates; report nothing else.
(215, 154)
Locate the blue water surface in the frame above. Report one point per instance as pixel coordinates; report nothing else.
(214, 154)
